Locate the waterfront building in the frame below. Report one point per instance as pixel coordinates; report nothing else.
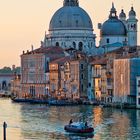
(69, 77)
(5, 81)
(125, 74)
(102, 79)
(60, 78)
(79, 77)
(99, 79)
(16, 86)
(61, 68)
(138, 92)
(35, 71)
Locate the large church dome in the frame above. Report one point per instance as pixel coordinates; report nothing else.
(113, 26)
(70, 17)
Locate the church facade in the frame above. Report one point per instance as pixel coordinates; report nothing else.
(118, 31)
(71, 27)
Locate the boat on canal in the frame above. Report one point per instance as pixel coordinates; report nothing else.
(29, 100)
(21, 100)
(79, 127)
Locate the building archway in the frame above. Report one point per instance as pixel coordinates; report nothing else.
(57, 44)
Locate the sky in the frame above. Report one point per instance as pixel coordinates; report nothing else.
(23, 22)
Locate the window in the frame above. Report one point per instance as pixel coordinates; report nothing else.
(89, 84)
(107, 40)
(139, 83)
(60, 22)
(74, 45)
(57, 44)
(139, 101)
(82, 87)
(76, 23)
(82, 76)
(80, 46)
(82, 66)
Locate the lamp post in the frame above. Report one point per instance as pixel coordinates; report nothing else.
(4, 130)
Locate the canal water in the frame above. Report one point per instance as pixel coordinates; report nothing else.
(41, 122)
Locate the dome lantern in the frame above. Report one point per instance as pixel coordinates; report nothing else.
(70, 3)
(113, 12)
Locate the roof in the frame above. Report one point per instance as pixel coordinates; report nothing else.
(52, 52)
(61, 60)
(101, 61)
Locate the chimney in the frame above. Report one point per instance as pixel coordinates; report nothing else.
(32, 47)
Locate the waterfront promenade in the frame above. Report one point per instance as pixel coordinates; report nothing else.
(42, 122)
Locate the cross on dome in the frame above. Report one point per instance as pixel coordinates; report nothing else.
(113, 12)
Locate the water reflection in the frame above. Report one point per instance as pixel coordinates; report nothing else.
(26, 122)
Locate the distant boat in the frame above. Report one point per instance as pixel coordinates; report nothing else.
(61, 103)
(39, 101)
(78, 127)
(21, 100)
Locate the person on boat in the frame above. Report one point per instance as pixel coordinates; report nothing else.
(70, 122)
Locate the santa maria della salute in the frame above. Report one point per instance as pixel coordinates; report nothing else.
(71, 27)
(69, 65)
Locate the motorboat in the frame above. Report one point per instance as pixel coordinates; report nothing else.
(78, 127)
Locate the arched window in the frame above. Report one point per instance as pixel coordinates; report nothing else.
(80, 46)
(57, 44)
(74, 45)
(4, 85)
(76, 23)
(107, 40)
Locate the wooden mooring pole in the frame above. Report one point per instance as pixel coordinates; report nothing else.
(4, 130)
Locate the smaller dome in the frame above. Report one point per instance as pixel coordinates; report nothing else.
(113, 27)
(132, 12)
(122, 14)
